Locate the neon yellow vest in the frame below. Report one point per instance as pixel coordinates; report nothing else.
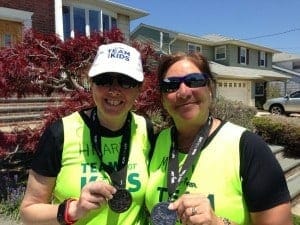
(80, 165)
(216, 174)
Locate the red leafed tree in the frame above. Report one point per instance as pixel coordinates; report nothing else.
(44, 65)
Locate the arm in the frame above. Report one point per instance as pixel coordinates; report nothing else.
(35, 207)
(278, 215)
(264, 184)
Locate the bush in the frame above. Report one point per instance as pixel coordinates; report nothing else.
(280, 130)
(235, 112)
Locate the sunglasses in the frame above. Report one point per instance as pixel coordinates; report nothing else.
(192, 80)
(106, 80)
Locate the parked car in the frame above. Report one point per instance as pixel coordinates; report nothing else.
(284, 105)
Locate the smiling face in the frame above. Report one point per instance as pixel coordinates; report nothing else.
(113, 102)
(186, 105)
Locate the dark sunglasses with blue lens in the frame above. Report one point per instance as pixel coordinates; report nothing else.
(192, 80)
(106, 80)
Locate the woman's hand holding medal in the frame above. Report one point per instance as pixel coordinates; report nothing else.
(194, 209)
(93, 195)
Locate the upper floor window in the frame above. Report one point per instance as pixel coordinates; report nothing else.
(84, 21)
(262, 59)
(220, 53)
(243, 56)
(194, 48)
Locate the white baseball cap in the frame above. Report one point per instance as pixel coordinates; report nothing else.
(118, 58)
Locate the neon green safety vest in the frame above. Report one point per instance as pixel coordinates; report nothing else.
(80, 165)
(216, 174)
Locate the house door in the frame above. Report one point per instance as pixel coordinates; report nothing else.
(10, 33)
(234, 90)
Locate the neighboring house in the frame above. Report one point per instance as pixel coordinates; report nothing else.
(288, 64)
(242, 69)
(66, 18)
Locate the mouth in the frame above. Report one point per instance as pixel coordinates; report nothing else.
(113, 102)
(185, 104)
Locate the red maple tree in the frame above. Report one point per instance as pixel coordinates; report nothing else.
(43, 64)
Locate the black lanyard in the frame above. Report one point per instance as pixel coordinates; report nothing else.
(174, 175)
(118, 176)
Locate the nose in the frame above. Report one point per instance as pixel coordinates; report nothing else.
(183, 91)
(114, 89)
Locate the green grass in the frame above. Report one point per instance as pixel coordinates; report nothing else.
(296, 220)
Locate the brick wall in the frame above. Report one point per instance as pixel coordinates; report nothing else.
(43, 12)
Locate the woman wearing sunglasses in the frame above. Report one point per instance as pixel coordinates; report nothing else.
(205, 170)
(90, 167)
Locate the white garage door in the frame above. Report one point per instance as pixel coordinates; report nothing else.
(234, 90)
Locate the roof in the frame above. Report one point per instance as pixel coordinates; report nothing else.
(284, 56)
(244, 73)
(222, 40)
(209, 39)
(286, 70)
(132, 12)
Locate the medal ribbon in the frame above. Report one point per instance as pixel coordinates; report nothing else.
(118, 177)
(174, 175)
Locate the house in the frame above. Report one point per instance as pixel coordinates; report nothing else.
(66, 18)
(288, 64)
(242, 69)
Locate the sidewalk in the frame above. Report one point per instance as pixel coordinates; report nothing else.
(6, 221)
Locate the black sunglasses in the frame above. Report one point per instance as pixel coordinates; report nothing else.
(192, 80)
(107, 80)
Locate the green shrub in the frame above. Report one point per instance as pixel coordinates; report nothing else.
(235, 112)
(280, 130)
(296, 220)
(224, 109)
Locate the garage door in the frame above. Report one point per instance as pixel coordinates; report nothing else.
(234, 90)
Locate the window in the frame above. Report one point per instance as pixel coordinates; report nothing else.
(84, 21)
(296, 65)
(243, 55)
(79, 21)
(259, 89)
(295, 94)
(220, 52)
(262, 59)
(94, 20)
(7, 40)
(194, 48)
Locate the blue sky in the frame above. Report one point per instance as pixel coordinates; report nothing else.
(275, 22)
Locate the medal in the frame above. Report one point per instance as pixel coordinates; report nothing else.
(121, 201)
(161, 215)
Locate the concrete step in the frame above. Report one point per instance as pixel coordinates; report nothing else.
(33, 99)
(291, 168)
(13, 108)
(21, 117)
(294, 185)
(287, 163)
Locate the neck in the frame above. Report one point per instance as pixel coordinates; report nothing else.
(113, 124)
(186, 135)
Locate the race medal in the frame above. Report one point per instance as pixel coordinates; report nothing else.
(121, 201)
(161, 215)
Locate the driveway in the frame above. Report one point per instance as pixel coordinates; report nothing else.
(265, 113)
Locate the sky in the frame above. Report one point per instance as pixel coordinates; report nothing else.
(270, 23)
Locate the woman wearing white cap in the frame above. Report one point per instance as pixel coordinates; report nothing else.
(91, 167)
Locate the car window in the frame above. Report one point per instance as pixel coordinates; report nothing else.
(295, 94)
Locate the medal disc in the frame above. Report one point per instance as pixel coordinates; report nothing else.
(161, 215)
(121, 201)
